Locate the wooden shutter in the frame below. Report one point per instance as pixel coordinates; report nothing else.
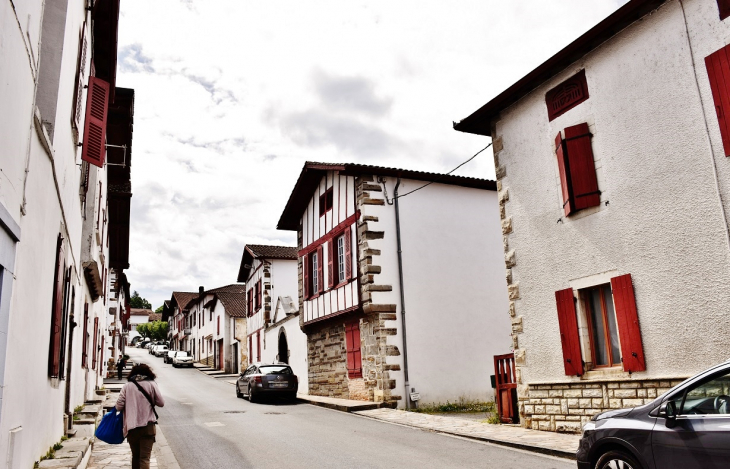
(352, 345)
(718, 71)
(582, 169)
(724, 7)
(96, 334)
(80, 76)
(572, 359)
(250, 302)
(258, 346)
(564, 174)
(97, 107)
(250, 348)
(101, 356)
(259, 295)
(627, 320)
(330, 263)
(320, 269)
(219, 325)
(305, 276)
(54, 351)
(85, 338)
(348, 253)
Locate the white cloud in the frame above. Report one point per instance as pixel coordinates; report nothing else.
(233, 96)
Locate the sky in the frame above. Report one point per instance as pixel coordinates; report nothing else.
(232, 97)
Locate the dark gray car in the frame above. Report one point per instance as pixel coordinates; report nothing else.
(687, 427)
(262, 379)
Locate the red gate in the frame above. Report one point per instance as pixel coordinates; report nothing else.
(506, 390)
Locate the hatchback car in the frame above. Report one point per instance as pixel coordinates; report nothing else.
(687, 427)
(167, 358)
(182, 358)
(261, 379)
(159, 350)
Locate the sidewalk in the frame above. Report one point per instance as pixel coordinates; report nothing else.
(555, 444)
(106, 456)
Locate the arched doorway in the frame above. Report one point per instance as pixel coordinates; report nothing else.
(283, 348)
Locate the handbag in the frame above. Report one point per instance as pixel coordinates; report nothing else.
(111, 428)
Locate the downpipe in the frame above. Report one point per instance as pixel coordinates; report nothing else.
(402, 296)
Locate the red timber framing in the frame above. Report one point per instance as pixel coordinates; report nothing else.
(718, 72)
(97, 107)
(506, 387)
(334, 232)
(569, 339)
(352, 344)
(54, 350)
(627, 320)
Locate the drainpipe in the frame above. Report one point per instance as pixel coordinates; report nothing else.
(402, 296)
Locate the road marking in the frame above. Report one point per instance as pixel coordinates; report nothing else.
(214, 424)
(186, 403)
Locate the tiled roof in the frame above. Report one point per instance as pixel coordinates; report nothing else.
(235, 303)
(155, 317)
(251, 251)
(140, 312)
(232, 288)
(183, 298)
(312, 173)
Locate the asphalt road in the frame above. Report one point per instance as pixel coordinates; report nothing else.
(206, 426)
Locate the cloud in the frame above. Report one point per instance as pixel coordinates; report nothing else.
(131, 59)
(350, 94)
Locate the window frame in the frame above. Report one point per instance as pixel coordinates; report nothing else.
(314, 274)
(584, 295)
(340, 260)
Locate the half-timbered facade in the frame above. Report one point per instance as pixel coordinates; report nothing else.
(267, 272)
(353, 288)
(611, 160)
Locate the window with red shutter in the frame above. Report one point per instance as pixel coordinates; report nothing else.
(320, 269)
(219, 325)
(80, 78)
(569, 339)
(258, 346)
(97, 107)
(627, 319)
(330, 263)
(54, 351)
(85, 338)
(305, 272)
(352, 345)
(250, 348)
(718, 72)
(94, 350)
(348, 253)
(577, 169)
(259, 295)
(325, 202)
(724, 7)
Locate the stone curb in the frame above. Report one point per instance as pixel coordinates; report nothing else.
(165, 457)
(342, 405)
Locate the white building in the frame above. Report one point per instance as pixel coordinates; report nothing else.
(285, 342)
(55, 213)
(354, 290)
(268, 272)
(137, 316)
(614, 187)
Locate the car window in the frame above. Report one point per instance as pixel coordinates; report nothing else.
(275, 369)
(708, 398)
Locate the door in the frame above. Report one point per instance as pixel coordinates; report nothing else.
(283, 348)
(220, 355)
(506, 388)
(700, 436)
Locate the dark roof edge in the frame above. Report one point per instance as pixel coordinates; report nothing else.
(479, 122)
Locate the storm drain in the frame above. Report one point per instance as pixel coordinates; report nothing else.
(234, 411)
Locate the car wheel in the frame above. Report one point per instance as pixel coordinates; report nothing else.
(239, 394)
(174, 365)
(251, 399)
(617, 460)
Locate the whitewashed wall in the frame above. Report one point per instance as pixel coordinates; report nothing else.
(297, 343)
(663, 222)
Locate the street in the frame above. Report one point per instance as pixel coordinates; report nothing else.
(208, 427)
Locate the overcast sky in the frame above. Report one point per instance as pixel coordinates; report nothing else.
(232, 97)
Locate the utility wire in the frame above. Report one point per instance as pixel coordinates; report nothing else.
(441, 177)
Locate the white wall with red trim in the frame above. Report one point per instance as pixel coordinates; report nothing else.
(660, 218)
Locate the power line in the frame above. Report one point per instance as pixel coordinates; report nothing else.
(441, 177)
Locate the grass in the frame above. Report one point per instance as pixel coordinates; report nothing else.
(461, 406)
(78, 408)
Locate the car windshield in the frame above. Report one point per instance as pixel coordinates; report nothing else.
(275, 370)
(182, 354)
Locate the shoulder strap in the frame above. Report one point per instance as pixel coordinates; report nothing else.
(149, 399)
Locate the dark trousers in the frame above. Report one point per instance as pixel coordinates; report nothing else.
(140, 441)
(119, 373)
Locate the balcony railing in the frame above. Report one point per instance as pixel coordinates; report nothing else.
(188, 331)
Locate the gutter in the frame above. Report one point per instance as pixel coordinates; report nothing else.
(402, 296)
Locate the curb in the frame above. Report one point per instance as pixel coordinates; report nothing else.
(165, 457)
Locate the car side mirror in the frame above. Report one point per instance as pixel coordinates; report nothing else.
(668, 410)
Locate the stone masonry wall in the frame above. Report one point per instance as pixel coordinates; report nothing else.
(327, 359)
(566, 407)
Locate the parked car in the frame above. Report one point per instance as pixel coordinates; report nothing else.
(182, 358)
(159, 350)
(167, 358)
(687, 427)
(260, 379)
(143, 343)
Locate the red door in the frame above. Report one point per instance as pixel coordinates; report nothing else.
(506, 392)
(220, 354)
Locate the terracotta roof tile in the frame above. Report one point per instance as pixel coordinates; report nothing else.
(140, 312)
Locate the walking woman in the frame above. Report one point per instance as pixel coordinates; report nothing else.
(137, 400)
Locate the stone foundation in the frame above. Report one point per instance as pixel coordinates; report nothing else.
(565, 407)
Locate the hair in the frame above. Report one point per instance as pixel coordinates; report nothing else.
(141, 369)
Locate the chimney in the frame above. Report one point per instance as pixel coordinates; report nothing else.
(201, 291)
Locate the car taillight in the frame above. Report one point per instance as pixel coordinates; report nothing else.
(257, 379)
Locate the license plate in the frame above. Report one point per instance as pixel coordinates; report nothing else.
(278, 385)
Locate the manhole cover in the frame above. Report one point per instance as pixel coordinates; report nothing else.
(234, 411)
(273, 413)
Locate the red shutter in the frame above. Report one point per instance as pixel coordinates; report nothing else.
(330, 263)
(572, 360)
(320, 269)
(219, 325)
(581, 166)
(250, 349)
(564, 174)
(101, 356)
(305, 270)
(349, 345)
(348, 253)
(627, 319)
(85, 338)
(54, 355)
(724, 7)
(718, 71)
(97, 105)
(258, 346)
(354, 355)
(96, 334)
(259, 295)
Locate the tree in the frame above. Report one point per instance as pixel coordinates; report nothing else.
(138, 302)
(144, 330)
(159, 310)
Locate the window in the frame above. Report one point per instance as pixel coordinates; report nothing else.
(259, 295)
(314, 273)
(577, 169)
(258, 346)
(707, 398)
(567, 95)
(250, 302)
(340, 259)
(613, 327)
(54, 356)
(325, 202)
(97, 106)
(718, 68)
(85, 338)
(94, 350)
(354, 355)
(219, 325)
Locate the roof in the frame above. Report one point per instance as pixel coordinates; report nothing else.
(140, 312)
(261, 251)
(155, 317)
(182, 299)
(235, 303)
(479, 122)
(312, 173)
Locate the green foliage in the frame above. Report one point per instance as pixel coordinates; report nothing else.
(461, 406)
(144, 329)
(156, 330)
(159, 310)
(494, 419)
(78, 408)
(137, 301)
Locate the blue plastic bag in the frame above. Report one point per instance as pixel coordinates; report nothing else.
(111, 428)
